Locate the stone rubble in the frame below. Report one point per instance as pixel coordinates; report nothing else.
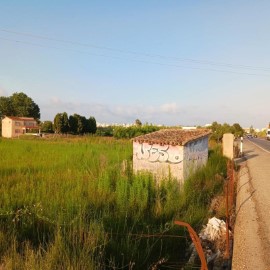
(213, 240)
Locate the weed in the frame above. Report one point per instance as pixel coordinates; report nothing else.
(69, 203)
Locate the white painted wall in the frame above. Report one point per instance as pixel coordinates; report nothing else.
(6, 128)
(161, 160)
(177, 161)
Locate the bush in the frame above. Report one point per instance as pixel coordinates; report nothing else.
(133, 131)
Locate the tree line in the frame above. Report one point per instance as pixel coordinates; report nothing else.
(218, 130)
(133, 131)
(73, 124)
(19, 104)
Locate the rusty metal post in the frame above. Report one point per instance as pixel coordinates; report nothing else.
(232, 187)
(230, 178)
(233, 190)
(227, 251)
(196, 240)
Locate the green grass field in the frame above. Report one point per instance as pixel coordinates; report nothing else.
(74, 203)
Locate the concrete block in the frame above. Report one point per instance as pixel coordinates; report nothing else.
(227, 141)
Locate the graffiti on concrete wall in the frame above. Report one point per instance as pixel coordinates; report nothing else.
(158, 153)
(197, 151)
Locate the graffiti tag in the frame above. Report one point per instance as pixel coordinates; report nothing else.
(157, 154)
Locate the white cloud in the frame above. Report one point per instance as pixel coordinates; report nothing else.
(55, 100)
(170, 108)
(3, 92)
(167, 113)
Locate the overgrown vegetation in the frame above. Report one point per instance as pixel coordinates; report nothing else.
(74, 203)
(202, 186)
(218, 130)
(133, 131)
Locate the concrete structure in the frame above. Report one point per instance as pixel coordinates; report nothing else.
(228, 145)
(171, 152)
(15, 126)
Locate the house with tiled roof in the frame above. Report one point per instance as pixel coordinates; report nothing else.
(14, 126)
(171, 152)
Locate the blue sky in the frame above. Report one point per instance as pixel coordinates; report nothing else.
(164, 62)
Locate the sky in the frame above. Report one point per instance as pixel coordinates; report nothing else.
(163, 62)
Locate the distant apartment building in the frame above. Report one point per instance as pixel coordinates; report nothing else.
(13, 126)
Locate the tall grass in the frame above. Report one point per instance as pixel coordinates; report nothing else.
(71, 204)
(202, 186)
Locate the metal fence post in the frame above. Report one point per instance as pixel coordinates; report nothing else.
(196, 240)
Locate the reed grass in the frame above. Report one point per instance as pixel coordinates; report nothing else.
(69, 203)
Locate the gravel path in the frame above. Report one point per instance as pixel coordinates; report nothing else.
(252, 227)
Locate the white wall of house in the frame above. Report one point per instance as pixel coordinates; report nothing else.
(162, 160)
(14, 127)
(11, 128)
(7, 128)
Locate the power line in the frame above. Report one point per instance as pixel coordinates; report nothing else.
(136, 60)
(205, 62)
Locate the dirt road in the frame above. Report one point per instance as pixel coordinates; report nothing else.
(252, 227)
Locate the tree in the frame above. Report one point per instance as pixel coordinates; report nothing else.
(237, 130)
(80, 124)
(61, 123)
(92, 125)
(73, 124)
(19, 104)
(218, 130)
(226, 128)
(47, 127)
(65, 128)
(138, 123)
(84, 124)
(5, 106)
(58, 123)
(22, 105)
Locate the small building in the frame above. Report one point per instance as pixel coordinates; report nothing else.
(171, 152)
(13, 126)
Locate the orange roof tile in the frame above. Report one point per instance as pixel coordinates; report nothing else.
(172, 136)
(21, 118)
